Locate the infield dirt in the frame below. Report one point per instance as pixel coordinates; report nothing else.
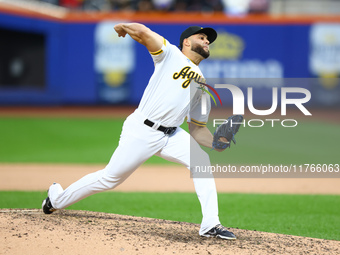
(80, 232)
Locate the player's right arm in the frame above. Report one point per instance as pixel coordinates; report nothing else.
(142, 34)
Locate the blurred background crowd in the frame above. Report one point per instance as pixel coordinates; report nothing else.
(165, 5)
(230, 7)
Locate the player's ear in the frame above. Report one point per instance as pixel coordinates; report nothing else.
(186, 42)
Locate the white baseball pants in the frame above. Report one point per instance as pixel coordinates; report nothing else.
(139, 142)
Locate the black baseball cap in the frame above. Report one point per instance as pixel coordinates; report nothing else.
(211, 33)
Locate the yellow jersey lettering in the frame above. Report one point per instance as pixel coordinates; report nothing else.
(188, 75)
(182, 73)
(186, 84)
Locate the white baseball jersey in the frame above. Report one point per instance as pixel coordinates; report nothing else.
(169, 96)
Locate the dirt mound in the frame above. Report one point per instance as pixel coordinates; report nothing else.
(81, 232)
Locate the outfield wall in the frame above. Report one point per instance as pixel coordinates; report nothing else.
(57, 58)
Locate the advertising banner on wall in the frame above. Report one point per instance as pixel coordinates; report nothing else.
(229, 60)
(114, 63)
(232, 57)
(324, 63)
(113, 70)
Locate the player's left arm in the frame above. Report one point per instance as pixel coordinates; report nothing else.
(202, 135)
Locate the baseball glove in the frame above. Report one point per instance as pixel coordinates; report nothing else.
(227, 130)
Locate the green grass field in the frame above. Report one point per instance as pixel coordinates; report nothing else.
(77, 140)
(304, 215)
(94, 140)
(60, 140)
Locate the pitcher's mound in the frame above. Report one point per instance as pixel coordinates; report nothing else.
(29, 231)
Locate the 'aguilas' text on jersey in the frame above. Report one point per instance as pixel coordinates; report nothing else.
(188, 75)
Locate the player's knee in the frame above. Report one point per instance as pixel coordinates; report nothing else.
(111, 181)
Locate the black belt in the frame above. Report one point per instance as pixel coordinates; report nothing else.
(165, 130)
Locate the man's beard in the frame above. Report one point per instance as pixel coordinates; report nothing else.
(200, 50)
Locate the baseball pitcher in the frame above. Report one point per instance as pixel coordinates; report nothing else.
(153, 129)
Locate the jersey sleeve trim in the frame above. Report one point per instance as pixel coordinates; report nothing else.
(156, 52)
(198, 123)
(159, 51)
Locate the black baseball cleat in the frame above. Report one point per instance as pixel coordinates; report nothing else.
(221, 232)
(47, 206)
